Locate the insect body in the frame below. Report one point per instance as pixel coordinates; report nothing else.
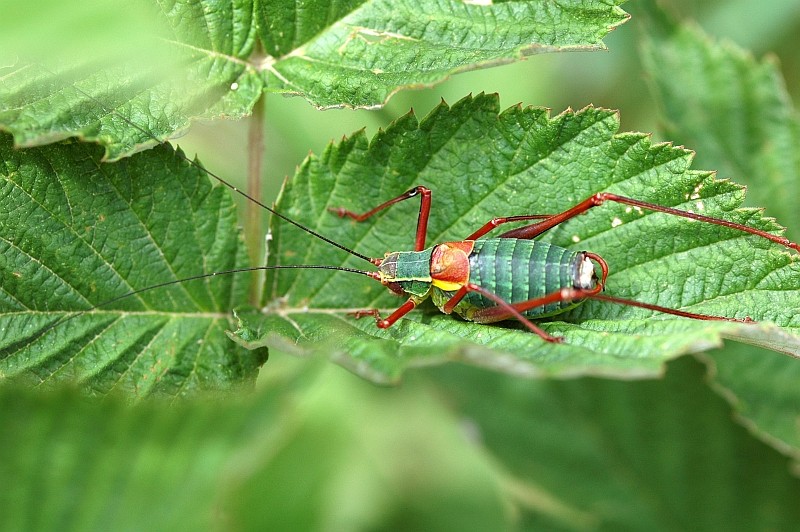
(514, 270)
(510, 268)
(513, 276)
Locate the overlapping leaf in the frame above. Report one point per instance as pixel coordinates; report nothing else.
(77, 233)
(202, 61)
(564, 455)
(359, 52)
(195, 66)
(480, 165)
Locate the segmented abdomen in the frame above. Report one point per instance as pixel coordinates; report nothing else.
(517, 270)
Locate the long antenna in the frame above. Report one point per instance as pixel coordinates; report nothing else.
(285, 218)
(372, 275)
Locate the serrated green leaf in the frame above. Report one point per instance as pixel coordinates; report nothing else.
(736, 112)
(357, 53)
(481, 165)
(732, 109)
(76, 234)
(202, 61)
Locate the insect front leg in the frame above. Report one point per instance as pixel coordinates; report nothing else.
(422, 220)
(382, 323)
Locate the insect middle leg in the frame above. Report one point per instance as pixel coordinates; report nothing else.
(385, 323)
(505, 310)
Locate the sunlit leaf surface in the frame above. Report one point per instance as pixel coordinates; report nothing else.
(200, 59)
(481, 164)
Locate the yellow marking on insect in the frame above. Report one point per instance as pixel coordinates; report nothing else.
(447, 286)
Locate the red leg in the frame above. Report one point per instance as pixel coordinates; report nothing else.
(494, 222)
(534, 230)
(499, 313)
(422, 220)
(667, 310)
(381, 323)
(512, 310)
(506, 307)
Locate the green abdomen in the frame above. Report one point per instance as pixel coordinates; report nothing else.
(516, 270)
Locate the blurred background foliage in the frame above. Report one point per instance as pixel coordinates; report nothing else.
(452, 448)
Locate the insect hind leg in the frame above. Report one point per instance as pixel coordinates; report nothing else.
(668, 310)
(536, 229)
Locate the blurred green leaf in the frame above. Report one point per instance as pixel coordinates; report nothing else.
(762, 387)
(736, 112)
(198, 70)
(314, 448)
(309, 451)
(90, 29)
(480, 165)
(77, 233)
(651, 455)
(73, 464)
(200, 60)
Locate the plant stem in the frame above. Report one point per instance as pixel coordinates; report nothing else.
(253, 216)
